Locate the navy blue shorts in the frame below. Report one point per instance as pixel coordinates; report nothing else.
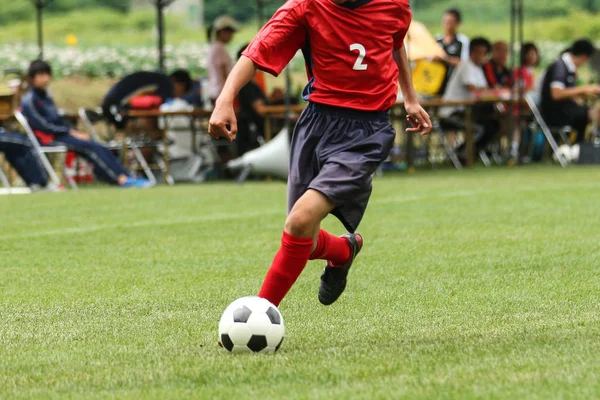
(336, 151)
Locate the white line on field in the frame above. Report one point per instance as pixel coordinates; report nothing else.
(257, 214)
(142, 224)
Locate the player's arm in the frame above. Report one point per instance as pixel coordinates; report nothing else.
(271, 50)
(222, 121)
(417, 116)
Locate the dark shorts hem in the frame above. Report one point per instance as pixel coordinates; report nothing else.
(336, 151)
(338, 211)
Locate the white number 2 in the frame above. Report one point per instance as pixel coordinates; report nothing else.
(362, 53)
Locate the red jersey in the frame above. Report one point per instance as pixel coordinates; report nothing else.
(524, 74)
(348, 49)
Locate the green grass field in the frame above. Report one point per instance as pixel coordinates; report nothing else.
(474, 284)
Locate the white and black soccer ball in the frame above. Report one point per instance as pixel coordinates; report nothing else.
(251, 324)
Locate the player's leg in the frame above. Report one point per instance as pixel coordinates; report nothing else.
(106, 165)
(580, 118)
(328, 247)
(359, 142)
(19, 153)
(297, 244)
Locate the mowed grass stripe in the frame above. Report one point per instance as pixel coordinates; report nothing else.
(478, 284)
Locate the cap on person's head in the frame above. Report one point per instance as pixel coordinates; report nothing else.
(455, 12)
(582, 47)
(225, 22)
(39, 67)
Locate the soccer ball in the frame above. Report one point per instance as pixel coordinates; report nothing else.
(251, 324)
(569, 153)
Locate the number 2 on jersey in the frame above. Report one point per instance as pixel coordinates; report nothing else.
(362, 53)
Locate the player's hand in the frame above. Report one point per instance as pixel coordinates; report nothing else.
(418, 118)
(223, 123)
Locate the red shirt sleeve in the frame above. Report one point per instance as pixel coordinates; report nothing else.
(404, 20)
(279, 40)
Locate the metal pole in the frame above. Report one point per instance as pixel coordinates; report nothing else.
(260, 13)
(511, 103)
(520, 17)
(39, 6)
(201, 14)
(161, 36)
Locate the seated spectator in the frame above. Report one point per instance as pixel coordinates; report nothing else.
(185, 88)
(524, 77)
(456, 45)
(19, 152)
(468, 83)
(51, 129)
(561, 97)
(251, 120)
(497, 73)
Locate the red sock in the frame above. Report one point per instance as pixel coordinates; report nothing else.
(331, 248)
(287, 266)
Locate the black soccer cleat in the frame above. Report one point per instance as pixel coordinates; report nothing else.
(333, 279)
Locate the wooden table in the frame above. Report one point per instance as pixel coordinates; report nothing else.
(398, 114)
(279, 112)
(192, 114)
(6, 106)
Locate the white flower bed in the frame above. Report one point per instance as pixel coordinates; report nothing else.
(116, 62)
(105, 61)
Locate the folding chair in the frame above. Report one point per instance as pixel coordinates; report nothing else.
(4, 178)
(42, 152)
(8, 189)
(439, 130)
(533, 99)
(91, 117)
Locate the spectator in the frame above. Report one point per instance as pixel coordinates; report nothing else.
(524, 75)
(19, 152)
(561, 96)
(51, 129)
(251, 120)
(525, 78)
(468, 83)
(496, 72)
(220, 63)
(456, 45)
(185, 88)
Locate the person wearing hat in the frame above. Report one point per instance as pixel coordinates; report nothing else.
(220, 62)
(562, 97)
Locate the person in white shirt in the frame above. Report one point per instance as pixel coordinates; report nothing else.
(468, 80)
(220, 62)
(455, 44)
(469, 83)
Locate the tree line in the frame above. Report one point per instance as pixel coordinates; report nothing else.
(245, 10)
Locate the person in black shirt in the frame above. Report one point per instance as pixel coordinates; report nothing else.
(496, 72)
(251, 120)
(456, 45)
(561, 96)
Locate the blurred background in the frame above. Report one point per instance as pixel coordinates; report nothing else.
(89, 39)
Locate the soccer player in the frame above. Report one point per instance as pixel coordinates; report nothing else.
(355, 58)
